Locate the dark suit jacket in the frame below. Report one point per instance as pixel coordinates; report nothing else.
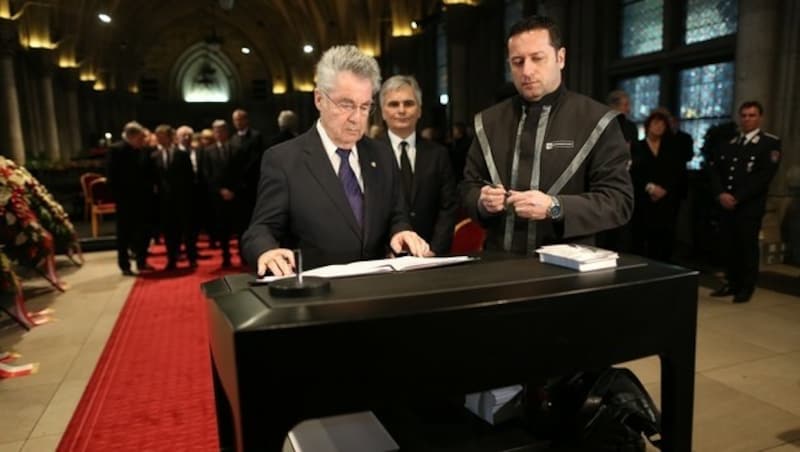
(175, 184)
(433, 203)
(243, 171)
(215, 167)
(301, 204)
(131, 178)
(667, 170)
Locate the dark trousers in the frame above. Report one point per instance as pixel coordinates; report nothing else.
(739, 236)
(180, 230)
(222, 226)
(132, 234)
(654, 241)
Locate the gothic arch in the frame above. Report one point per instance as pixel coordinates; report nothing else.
(204, 74)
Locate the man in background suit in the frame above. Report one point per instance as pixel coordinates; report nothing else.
(331, 192)
(425, 171)
(198, 193)
(287, 126)
(131, 179)
(216, 165)
(174, 182)
(247, 146)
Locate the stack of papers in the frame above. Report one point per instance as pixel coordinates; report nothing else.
(497, 405)
(578, 257)
(376, 266)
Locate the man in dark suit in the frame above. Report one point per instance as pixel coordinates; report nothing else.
(331, 192)
(247, 146)
(131, 178)
(287, 128)
(425, 171)
(741, 172)
(198, 193)
(555, 160)
(216, 165)
(174, 182)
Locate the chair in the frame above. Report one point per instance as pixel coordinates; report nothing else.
(468, 237)
(86, 179)
(102, 202)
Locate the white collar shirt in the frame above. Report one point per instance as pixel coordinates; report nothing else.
(411, 150)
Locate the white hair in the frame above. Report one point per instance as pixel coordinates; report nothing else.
(287, 119)
(346, 58)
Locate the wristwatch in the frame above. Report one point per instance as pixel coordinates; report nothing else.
(554, 211)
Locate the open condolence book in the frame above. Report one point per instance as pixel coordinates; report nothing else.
(578, 257)
(377, 266)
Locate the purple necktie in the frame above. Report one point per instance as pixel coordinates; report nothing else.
(350, 184)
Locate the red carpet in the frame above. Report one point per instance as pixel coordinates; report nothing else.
(151, 389)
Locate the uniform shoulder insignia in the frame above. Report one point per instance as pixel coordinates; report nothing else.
(774, 137)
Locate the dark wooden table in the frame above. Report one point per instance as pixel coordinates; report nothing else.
(445, 331)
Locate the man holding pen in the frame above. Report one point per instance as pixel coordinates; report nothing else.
(547, 165)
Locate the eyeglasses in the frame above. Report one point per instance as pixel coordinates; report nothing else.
(349, 107)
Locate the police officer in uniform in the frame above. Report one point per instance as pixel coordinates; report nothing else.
(547, 165)
(741, 172)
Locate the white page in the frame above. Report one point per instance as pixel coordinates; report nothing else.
(375, 266)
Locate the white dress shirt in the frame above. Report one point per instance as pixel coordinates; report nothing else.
(411, 149)
(331, 148)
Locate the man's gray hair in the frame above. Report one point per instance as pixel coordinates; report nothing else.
(287, 120)
(615, 97)
(219, 123)
(346, 58)
(398, 81)
(132, 128)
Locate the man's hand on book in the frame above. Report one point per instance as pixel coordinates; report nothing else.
(411, 242)
(280, 261)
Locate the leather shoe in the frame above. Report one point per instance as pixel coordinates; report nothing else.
(742, 297)
(723, 291)
(128, 273)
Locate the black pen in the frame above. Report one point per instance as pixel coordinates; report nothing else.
(493, 185)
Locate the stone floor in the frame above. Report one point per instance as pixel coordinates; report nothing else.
(747, 384)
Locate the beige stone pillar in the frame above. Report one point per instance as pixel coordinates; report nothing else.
(12, 143)
(43, 67)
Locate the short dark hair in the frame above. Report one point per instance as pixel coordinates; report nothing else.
(531, 23)
(751, 104)
(657, 115)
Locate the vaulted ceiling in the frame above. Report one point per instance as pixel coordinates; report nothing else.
(146, 37)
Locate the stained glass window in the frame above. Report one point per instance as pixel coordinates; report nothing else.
(706, 99)
(642, 26)
(441, 63)
(708, 19)
(643, 92)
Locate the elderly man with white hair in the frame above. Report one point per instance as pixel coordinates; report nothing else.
(331, 192)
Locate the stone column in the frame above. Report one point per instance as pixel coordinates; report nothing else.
(43, 65)
(460, 22)
(756, 54)
(784, 116)
(70, 118)
(12, 142)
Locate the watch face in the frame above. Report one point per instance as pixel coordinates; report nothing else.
(555, 211)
